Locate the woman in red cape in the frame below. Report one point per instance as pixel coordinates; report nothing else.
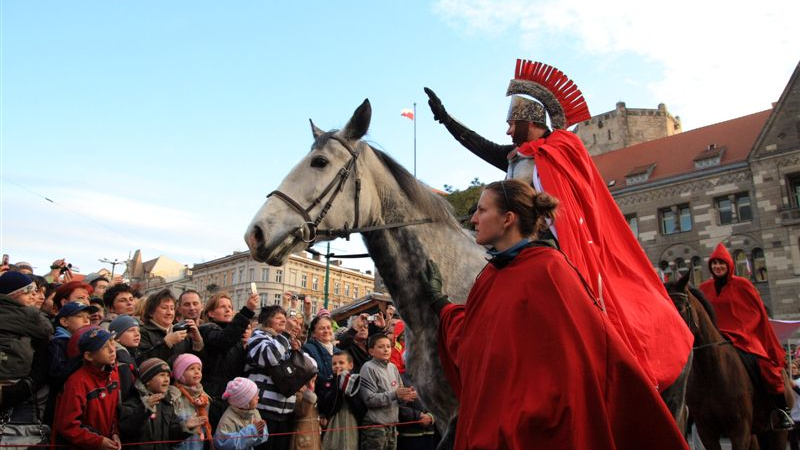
(742, 318)
(531, 356)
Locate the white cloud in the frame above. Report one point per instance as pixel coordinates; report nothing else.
(720, 60)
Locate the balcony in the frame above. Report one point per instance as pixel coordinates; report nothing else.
(789, 215)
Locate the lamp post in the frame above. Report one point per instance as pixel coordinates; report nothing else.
(113, 265)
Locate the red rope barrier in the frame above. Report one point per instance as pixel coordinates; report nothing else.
(211, 438)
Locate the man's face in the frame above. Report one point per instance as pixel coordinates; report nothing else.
(75, 322)
(522, 132)
(106, 356)
(130, 338)
(100, 288)
(190, 306)
(719, 268)
(159, 383)
(124, 303)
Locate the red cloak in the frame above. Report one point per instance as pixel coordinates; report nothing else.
(536, 365)
(597, 239)
(741, 315)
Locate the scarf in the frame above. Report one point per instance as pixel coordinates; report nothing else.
(328, 346)
(500, 259)
(145, 395)
(200, 400)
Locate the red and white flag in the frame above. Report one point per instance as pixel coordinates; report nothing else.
(405, 112)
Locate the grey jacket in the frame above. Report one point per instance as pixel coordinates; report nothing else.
(379, 383)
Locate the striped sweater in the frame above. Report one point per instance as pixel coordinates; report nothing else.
(265, 350)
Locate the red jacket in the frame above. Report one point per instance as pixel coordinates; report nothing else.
(398, 348)
(741, 315)
(86, 410)
(536, 365)
(597, 239)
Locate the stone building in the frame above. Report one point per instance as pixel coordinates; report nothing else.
(300, 274)
(736, 182)
(623, 127)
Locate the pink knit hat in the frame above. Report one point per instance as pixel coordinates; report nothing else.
(182, 363)
(239, 392)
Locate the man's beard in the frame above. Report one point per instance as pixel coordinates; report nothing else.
(520, 133)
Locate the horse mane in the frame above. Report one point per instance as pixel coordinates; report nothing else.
(424, 199)
(706, 304)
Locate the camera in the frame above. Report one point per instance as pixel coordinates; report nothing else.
(372, 317)
(301, 296)
(180, 326)
(65, 268)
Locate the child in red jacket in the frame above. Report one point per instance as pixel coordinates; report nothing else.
(86, 410)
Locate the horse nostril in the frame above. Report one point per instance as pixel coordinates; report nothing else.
(258, 235)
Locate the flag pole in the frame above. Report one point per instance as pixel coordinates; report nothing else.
(415, 139)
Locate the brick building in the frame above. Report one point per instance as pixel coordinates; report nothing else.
(736, 182)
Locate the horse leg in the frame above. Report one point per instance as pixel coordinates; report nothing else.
(449, 439)
(675, 396)
(710, 438)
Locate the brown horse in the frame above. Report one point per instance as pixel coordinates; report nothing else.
(721, 397)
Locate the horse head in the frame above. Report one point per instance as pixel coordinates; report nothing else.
(680, 294)
(321, 195)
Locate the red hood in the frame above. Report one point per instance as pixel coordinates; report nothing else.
(722, 254)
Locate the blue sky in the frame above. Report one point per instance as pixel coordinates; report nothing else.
(162, 125)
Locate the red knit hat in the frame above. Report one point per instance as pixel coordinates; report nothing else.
(65, 290)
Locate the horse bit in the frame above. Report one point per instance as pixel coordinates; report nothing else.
(338, 182)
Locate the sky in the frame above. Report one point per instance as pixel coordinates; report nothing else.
(161, 126)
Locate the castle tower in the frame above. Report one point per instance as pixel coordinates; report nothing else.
(623, 127)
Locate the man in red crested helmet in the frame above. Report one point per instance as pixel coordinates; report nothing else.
(590, 229)
(742, 318)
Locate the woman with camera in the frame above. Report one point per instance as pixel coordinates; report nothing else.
(225, 334)
(160, 337)
(354, 340)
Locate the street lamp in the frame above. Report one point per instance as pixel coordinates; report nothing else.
(113, 265)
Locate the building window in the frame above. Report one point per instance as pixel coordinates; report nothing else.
(276, 300)
(314, 308)
(336, 288)
(355, 292)
(676, 219)
(233, 278)
(793, 181)
(346, 290)
(225, 279)
(279, 276)
(241, 275)
(263, 299)
(315, 283)
(681, 267)
(734, 208)
(697, 271)
(252, 274)
(759, 266)
(304, 281)
(633, 222)
(741, 263)
(264, 274)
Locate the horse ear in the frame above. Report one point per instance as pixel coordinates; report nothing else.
(358, 125)
(683, 281)
(315, 130)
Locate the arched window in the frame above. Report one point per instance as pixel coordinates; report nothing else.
(759, 266)
(697, 271)
(665, 271)
(741, 263)
(681, 267)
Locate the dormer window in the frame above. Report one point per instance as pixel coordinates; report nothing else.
(639, 174)
(710, 157)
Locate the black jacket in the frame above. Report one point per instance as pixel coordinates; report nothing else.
(136, 424)
(223, 354)
(152, 345)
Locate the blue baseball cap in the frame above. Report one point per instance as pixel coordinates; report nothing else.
(94, 340)
(72, 308)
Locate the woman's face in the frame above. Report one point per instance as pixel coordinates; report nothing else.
(80, 295)
(164, 314)
(719, 268)
(488, 220)
(323, 332)
(278, 323)
(223, 312)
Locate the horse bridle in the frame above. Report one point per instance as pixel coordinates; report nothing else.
(334, 188)
(686, 307)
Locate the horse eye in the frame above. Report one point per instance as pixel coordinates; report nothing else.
(319, 162)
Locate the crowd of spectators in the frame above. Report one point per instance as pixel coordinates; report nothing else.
(102, 365)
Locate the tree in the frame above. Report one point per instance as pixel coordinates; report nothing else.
(463, 200)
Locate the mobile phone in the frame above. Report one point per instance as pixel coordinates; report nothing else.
(180, 326)
(253, 288)
(5, 259)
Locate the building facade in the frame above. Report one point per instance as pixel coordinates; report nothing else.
(736, 182)
(623, 127)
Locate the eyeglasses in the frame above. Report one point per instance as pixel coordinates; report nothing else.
(24, 290)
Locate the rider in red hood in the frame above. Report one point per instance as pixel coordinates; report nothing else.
(741, 317)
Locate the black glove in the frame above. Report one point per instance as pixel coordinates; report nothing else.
(432, 286)
(439, 113)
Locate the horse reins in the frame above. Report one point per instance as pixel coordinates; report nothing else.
(688, 308)
(338, 183)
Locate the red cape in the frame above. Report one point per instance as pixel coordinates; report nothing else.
(595, 236)
(536, 365)
(398, 348)
(741, 315)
